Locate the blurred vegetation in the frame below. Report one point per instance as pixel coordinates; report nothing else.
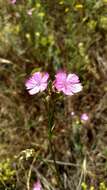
(50, 35)
(7, 174)
(102, 186)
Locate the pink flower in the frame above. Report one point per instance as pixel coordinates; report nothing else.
(37, 82)
(13, 1)
(37, 186)
(72, 113)
(84, 117)
(29, 12)
(68, 84)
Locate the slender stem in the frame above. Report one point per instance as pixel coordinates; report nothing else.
(30, 170)
(50, 133)
(58, 162)
(29, 173)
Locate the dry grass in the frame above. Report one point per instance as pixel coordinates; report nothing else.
(23, 126)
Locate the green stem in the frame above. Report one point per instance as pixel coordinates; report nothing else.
(50, 133)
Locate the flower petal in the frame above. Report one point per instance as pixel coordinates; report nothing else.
(37, 76)
(76, 88)
(34, 90)
(73, 78)
(60, 80)
(43, 86)
(67, 90)
(37, 186)
(60, 76)
(13, 1)
(45, 77)
(84, 117)
(30, 83)
(58, 86)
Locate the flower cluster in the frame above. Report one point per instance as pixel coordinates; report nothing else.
(69, 84)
